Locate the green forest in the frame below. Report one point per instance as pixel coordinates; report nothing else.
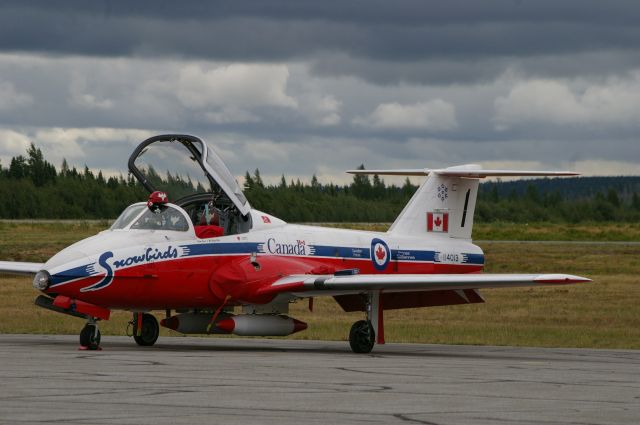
(31, 187)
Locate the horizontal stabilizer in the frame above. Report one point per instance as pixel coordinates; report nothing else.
(16, 267)
(468, 171)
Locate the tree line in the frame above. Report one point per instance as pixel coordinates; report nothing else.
(32, 187)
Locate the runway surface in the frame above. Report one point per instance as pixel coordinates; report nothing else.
(45, 379)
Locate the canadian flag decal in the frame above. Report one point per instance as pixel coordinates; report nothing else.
(438, 222)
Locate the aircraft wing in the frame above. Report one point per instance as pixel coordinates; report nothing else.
(330, 284)
(17, 267)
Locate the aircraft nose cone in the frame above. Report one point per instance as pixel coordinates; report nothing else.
(67, 256)
(69, 264)
(42, 280)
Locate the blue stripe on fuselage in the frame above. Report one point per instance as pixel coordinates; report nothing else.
(340, 251)
(218, 248)
(396, 254)
(413, 255)
(474, 259)
(72, 274)
(221, 248)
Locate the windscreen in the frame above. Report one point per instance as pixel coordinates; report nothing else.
(170, 166)
(127, 216)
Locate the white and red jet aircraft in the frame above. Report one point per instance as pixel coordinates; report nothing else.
(208, 252)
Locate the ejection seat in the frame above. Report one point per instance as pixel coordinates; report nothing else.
(209, 228)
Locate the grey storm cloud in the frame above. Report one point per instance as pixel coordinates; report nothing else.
(383, 42)
(280, 30)
(284, 85)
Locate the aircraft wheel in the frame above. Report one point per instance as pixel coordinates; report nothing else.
(362, 337)
(148, 332)
(90, 336)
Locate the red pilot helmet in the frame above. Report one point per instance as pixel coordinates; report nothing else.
(157, 200)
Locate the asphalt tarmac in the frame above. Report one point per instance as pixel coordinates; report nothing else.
(45, 379)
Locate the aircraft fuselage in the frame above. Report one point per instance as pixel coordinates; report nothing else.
(156, 269)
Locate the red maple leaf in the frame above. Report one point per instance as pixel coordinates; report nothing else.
(437, 221)
(381, 253)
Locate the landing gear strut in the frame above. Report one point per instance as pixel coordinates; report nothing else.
(145, 329)
(90, 335)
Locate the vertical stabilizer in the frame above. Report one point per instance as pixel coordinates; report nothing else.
(443, 205)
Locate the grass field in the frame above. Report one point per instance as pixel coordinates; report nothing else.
(602, 314)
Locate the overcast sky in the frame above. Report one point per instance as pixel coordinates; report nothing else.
(318, 87)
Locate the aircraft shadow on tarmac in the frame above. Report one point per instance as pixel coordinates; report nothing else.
(317, 347)
(257, 346)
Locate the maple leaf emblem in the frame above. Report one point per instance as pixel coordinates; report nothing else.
(437, 221)
(381, 253)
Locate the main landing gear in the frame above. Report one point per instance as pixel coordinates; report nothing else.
(90, 335)
(145, 329)
(362, 336)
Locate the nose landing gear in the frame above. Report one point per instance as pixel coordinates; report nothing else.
(90, 335)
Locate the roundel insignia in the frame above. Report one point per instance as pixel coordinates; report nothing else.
(380, 254)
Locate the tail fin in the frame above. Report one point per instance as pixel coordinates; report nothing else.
(445, 202)
(442, 205)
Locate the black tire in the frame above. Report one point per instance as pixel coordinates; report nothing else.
(149, 331)
(362, 337)
(89, 337)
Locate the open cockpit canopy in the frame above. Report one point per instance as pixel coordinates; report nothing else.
(183, 166)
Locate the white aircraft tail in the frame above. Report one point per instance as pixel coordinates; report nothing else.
(445, 202)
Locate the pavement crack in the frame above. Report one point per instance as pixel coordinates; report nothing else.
(406, 418)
